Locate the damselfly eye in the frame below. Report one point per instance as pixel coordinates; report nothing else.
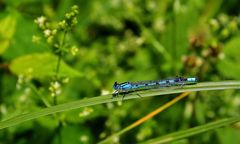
(115, 85)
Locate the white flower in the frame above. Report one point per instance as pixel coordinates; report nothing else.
(74, 50)
(40, 21)
(84, 138)
(47, 32)
(55, 88)
(85, 112)
(56, 85)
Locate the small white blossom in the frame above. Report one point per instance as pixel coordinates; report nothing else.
(74, 50)
(40, 21)
(85, 112)
(84, 138)
(56, 85)
(47, 32)
(55, 88)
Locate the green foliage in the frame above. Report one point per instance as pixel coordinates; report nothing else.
(78, 135)
(56, 55)
(7, 30)
(229, 65)
(40, 66)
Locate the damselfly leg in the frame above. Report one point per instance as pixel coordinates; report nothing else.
(124, 93)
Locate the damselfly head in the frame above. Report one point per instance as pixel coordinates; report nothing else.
(115, 85)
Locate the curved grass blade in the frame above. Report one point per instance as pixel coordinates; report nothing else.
(108, 98)
(192, 131)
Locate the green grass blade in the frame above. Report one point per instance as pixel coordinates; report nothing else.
(108, 98)
(193, 131)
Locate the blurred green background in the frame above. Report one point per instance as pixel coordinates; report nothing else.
(120, 40)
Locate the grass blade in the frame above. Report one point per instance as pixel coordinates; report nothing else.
(192, 131)
(108, 98)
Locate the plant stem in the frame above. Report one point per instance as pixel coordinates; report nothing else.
(60, 54)
(44, 100)
(58, 65)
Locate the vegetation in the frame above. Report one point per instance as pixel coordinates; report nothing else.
(59, 60)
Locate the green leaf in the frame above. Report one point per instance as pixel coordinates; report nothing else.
(41, 65)
(108, 98)
(229, 65)
(7, 30)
